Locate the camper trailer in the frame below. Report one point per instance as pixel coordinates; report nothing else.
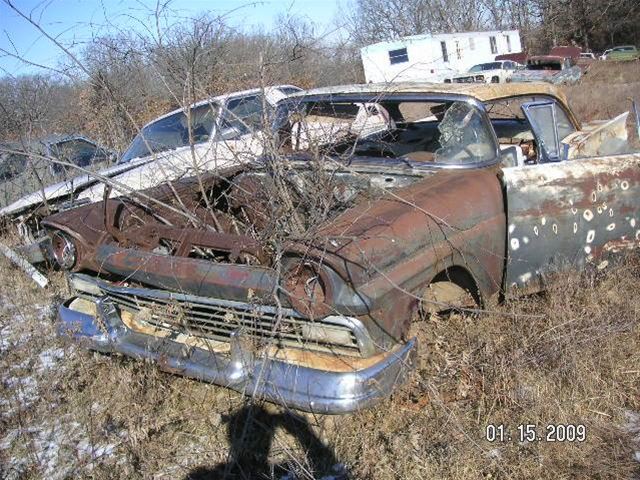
(432, 58)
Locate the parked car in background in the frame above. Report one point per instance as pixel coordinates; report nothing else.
(210, 134)
(468, 193)
(26, 165)
(549, 68)
(225, 129)
(491, 72)
(621, 54)
(585, 60)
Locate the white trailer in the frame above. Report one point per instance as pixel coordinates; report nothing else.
(434, 57)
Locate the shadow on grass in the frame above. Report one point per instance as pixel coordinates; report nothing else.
(251, 431)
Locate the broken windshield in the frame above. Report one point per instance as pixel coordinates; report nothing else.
(436, 132)
(172, 132)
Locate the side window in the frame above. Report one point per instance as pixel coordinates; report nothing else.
(493, 44)
(202, 118)
(550, 125)
(241, 116)
(398, 56)
(12, 165)
(445, 54)
(79, 152)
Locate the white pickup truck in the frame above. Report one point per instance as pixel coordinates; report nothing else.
(492, 72)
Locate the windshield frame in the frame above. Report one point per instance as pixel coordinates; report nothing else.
(377, 97)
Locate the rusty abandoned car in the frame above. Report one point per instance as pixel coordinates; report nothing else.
(296, 278)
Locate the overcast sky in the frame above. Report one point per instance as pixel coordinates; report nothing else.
(76, 21)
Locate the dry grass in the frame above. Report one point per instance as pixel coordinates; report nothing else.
(605, 92)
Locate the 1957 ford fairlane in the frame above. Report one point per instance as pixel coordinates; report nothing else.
(297, 278)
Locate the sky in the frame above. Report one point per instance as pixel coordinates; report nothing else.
(74, 22)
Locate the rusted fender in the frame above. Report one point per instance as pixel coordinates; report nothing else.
(377, 236)
(391, 249)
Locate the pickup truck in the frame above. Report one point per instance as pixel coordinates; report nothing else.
(297, 278)
(492, 72)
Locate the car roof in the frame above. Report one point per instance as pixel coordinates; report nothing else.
(480, 91)
(40, 143)
(222, 98)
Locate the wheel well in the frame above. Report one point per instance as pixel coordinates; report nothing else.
(461, 277)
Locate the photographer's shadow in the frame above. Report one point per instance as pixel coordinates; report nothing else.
(250, 431)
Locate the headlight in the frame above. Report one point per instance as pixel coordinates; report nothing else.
(479, 78)
(64, 250)
(307, 288)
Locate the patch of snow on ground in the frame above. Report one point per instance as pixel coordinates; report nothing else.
(25, 389)
(633, 427)
(50, 357)
(61, 449)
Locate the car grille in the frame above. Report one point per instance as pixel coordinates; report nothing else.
(185, 314)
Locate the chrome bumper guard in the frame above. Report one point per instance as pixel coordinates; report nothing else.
(278, 381)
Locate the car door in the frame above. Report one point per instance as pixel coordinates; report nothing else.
(566, 214)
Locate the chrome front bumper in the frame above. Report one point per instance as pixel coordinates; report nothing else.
(279, 381)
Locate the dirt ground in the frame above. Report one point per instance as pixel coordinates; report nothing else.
(566, 360)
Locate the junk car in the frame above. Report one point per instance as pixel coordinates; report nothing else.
(23, 165)
(549, 68)
(297, 278)
(622, 53)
